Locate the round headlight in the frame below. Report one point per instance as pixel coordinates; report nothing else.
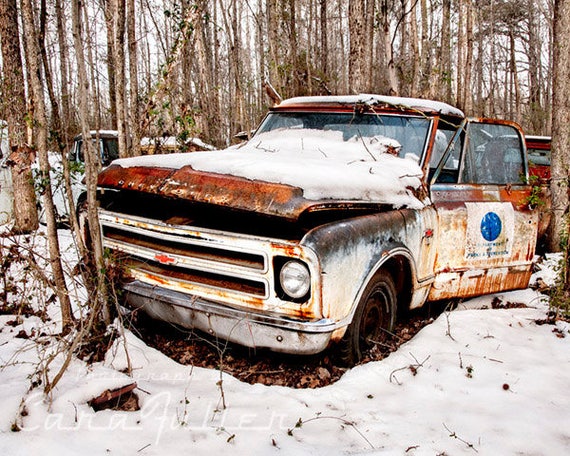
(295, 279)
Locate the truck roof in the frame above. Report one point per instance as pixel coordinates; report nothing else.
(415, 104)
(102, 134)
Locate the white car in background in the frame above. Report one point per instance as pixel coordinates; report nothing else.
(106, 142)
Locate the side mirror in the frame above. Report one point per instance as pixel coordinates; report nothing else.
(244, 135)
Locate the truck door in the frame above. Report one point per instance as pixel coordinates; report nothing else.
(486, 233)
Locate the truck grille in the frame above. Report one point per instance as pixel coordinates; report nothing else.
(208, 263)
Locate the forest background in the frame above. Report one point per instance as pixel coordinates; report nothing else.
(197, 68)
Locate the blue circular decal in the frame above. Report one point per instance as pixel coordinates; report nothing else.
(491, 226)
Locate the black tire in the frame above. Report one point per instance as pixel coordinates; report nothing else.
(373, 320)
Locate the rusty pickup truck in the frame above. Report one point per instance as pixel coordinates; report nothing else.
(338, 213)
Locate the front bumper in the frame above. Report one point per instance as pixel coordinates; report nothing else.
(255, 330)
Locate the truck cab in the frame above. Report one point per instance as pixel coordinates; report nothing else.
(106, 143)
(336, 215)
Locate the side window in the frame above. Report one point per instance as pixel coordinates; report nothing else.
(110, 150)
(79, 151)
(449, 171)
(494, 155)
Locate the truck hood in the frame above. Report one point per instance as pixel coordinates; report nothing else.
(276, 183)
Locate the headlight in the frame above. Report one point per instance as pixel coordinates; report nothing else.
(295, 279)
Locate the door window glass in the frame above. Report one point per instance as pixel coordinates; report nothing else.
(494, 155)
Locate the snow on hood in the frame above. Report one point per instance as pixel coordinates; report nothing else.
(317, 162)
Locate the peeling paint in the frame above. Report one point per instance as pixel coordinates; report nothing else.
(205, 250)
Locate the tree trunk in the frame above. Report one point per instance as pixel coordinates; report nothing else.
(414, 53)
(157, 95)
(95, 115)
(468, 63)
(40, 119)
(387, 44)
(119, 17)
(427, 80)
(21, 155)
(534, 66)
(134, 109)
(515, 112)
(357, 53)
(445, 52)
(461, 51)
(324, 39)
(108, 10)
(55, 114)
(67, 120)
(560, 124)
(274, 46)
(97, 288)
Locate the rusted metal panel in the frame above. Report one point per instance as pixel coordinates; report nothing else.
(234, 269)
(470, 259)
(143, 179)
(252, 329)
(471, 283)
(468, 240)
(236, 192)
(233, 192)
(352, 251)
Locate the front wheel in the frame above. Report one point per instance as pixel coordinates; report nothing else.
(373, 320)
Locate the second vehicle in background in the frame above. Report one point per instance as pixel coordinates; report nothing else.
(538, 149)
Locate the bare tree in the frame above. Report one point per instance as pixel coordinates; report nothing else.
(358, 81)
(393, 86)
(67, 120)
(118, 15)
(108, 8)
(134, 105)
(42, 129)
(445, 53)
(560, 126)
(97, 287)
(21, 154)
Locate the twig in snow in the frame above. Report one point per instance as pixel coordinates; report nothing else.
(300, 423)
(412, 367)
(455, 436)
(448, 332)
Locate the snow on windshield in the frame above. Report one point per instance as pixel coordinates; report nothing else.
(323, 144)
(347, 163)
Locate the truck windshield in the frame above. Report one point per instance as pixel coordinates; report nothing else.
(406, 134)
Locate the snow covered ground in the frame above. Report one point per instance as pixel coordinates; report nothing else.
(475, 381)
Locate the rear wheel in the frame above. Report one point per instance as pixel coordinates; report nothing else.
(373, 320)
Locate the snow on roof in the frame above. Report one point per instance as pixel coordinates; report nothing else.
(172, 141)
(370, 99)
(101, 133)
(318, 162)
(538, 137)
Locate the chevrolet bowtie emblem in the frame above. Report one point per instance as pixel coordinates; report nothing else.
(164, 259)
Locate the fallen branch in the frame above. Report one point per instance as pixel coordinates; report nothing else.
(455, 436)
(300, 423)
(412, 367)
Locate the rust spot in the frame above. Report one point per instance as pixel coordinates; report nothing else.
(116, 399)
(145, 178)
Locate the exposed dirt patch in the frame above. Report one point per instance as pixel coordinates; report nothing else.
(262, 366)
(94, 346)
(498, 303)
